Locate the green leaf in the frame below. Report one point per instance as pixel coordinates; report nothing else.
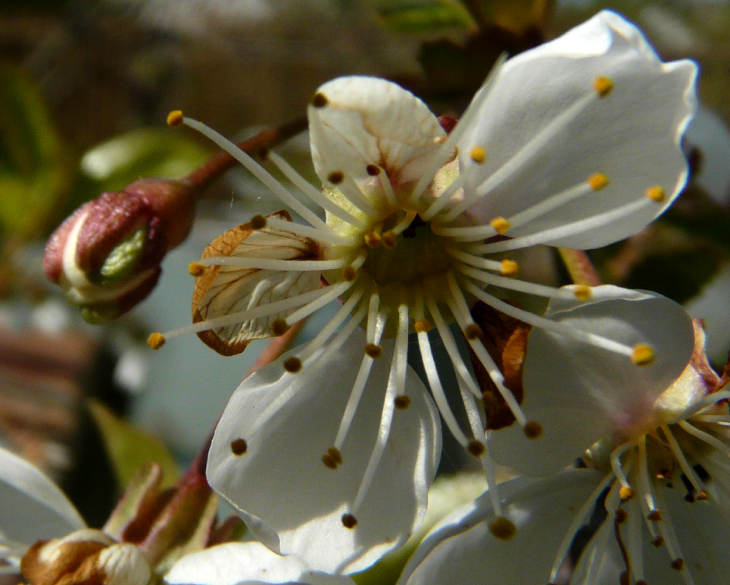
(513, 15)
(35, 168)
(425, 17)
(130, 448)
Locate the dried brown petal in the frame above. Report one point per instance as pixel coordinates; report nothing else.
(505, 339)
(222, 290)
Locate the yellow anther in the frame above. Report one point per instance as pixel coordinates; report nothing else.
(175, 118)
(500, 224)
(642, 354)
(478, 154)
(703, 496)
(656, 193)
(502, 528)
(603, 85)
(156, 340)
(422, 326)
(582, 292)
(239, 447)
(332, 458)
(509, 268)
(196, 268)
(279, 327)
(597, 181)
(293, 365)
(626, 493)
(258, 222)
(532, 429)
(349, 274)
(389, 239)
(372, 239)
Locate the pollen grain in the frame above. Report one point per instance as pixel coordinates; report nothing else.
(349, 521)
(156, 340)
(478, 154)
(196, 269)
(643, 354)
(656, 193)
(175, 118)
(597, 181)
(500, 225)
(603, 86)
(502, 528)
(239, 447)
(258, 222)
(509, 268)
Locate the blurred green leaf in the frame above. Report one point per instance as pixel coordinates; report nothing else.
(425, 17)
(513, 15)
(130, 448)
(35, 169)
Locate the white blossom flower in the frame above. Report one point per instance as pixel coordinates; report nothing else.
(251, 563)
(575, 143)
(42, 534)
(656, 509)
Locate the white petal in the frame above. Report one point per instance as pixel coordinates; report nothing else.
(370, 121)
(289, 499)
(578, 392)
(463, 550)
(32, 507)
(245, 562)
(703, 535)
(631, 135)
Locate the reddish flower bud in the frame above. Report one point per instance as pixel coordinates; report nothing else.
(106, 256)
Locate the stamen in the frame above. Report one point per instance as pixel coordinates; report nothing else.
(257, 171)
(401, 350)
(635, 552)
(449, 145)
(460, 310)
(327, 331)
(522, 157)
(549, 325)
(443, 198)
(532, 288)
(239, 447)
(642, 354)
(437, 390)
(706, 437)
(691, 474)
(500, 225)
(272, 264)
(478, 447)
(389, 239)
(156, 340)
(510, 268)
(603, 86)
(381, 441)
(258, 222)
(666, 529)
(597, 181)
(575, 525)
(196, 269)
(352, 192)
(616, 463)
(478, 261)
(372, 239)
(241, 316)
(310, 232)
(404, 223)
(656, 193)
(709, 400)
(582, 292)
(571, 229)
(293, 365)
(332, 292)
(174, 118)
(376, 325)
(478, 154)
(313, 193)
(349, 521)
(319, 100)
(451, 348)
(385, 184)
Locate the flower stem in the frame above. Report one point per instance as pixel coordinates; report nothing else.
(579, 267)
(202, 177)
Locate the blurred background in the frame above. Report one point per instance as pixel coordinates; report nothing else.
(85, 86)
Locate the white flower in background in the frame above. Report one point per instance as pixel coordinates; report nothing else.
(42, 534)
(328, 452)
(656, 509)
(251, 563)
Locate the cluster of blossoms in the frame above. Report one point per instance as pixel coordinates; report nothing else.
(328, 452)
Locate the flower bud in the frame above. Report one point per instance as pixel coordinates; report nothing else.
(106, 256)
(87, 557)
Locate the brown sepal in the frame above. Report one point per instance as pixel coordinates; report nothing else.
(505, 339)
(75, 564)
